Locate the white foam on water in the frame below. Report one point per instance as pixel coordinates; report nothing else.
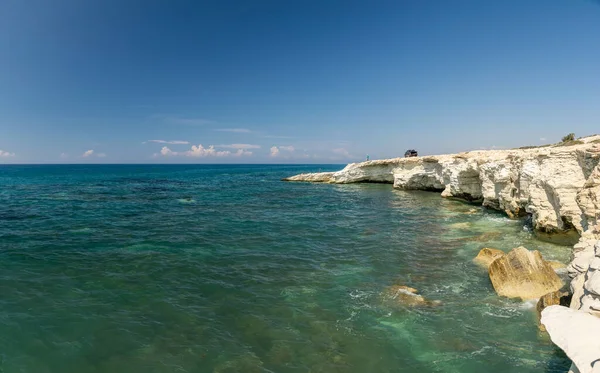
(482, 350)
(497, 315)
(498, 219)
(358, 294)
(528, 304)
(82, 230)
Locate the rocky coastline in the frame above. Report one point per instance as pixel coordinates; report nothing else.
(556, 186)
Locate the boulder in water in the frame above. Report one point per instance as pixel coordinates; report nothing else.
(523, 274)
(554, 298)
(487, 255)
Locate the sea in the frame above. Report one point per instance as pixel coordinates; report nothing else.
(226, 268)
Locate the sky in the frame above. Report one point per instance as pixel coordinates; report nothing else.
(311, 81)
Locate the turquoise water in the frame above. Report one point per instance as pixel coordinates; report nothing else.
(227, 269)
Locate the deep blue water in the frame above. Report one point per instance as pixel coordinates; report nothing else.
(195, 268)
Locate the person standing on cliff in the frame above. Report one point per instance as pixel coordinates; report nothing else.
(367, 157)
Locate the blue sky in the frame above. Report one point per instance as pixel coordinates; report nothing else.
(110, 81)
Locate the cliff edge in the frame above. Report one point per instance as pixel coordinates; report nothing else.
(554, 184)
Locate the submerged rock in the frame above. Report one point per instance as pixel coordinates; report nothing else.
(523, 274)
(462, 225)
(406, 296)
(487, 255)
(576, 333)
(557, 266)
(558, 297)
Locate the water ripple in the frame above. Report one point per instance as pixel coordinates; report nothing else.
(190, 268)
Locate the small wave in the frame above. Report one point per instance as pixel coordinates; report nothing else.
(497, 315)
(498, 219)
(483, 350)
(507, 309)
(358, 294)
(528, 304)
(82, 230)
(186, 200)
(143, 247)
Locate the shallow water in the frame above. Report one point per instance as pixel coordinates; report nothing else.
(227, 269)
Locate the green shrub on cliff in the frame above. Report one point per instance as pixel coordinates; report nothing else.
(569, 137)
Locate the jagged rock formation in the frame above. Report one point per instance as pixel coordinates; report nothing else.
(523, 274)
(556, 185)
(585, 271)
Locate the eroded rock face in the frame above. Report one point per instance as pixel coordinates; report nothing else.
(487, 255)
(558, 297)
(523, 274)
(557, 185)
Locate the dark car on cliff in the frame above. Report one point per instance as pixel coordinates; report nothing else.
(411, 153)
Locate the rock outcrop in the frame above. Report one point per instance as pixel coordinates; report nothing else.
(556, 185)
(487, 255)
(523, 274)
(554, 298)
(320, 177)
(576, 333)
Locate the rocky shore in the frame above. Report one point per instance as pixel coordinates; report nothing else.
(556, 186)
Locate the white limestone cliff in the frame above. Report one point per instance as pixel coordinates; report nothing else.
(558, 186)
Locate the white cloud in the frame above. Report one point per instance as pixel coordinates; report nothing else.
(172, 142)
(241, 152)
(88, 154)
(64, 155)
(6, 154)
(237, 130)
(542, 139)
(198, 151)
(239, 146)
(275, 150)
